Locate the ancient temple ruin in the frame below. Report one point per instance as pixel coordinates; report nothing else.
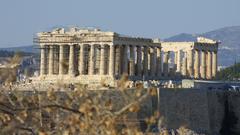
(192, 59)
(90, 56)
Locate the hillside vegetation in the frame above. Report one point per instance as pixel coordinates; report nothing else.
(230, 73)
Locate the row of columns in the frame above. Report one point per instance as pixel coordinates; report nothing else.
(194, 66)
(141, 61)
(72, 60)
(138, 62)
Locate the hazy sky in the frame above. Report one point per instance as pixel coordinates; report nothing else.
(21, 19)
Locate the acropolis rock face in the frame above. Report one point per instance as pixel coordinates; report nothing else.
(92, 56)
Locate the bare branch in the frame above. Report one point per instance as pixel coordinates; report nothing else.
(50, 106)
(131, 104)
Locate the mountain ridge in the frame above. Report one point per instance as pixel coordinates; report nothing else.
(228, 52)
(26, 48)
(228, 49)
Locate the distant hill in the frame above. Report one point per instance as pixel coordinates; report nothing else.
(27, 49)
(182, 37)
(229, 49)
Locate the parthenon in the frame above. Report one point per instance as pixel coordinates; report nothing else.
(92, 55)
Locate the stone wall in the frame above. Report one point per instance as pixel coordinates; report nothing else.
(205, 111)
(188, 108)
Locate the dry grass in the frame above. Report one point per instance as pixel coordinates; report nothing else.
(75, 112)
(8, 75)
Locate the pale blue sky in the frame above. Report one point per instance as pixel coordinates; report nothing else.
(21, 19)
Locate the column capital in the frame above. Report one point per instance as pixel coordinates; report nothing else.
(214, 51)
(166, 51)
(131, 45)
(103, 46)
(42, 45)
(71, 44)
(51, 46)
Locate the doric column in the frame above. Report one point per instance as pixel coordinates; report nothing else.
(153, 62)
(132, 60)
(51, 64)
(196, 65)
(111, 60)
(71, 70)
(190, 63)
(102, 60)
(145, 61)
(118, 59)
(81, 65)
(61, 57)
(203, 65)
(179, 61)
(184, 66)
(214, 63)
(92, 60)
(125, 59)
(175, 61)
(43, 60)
(209, 65)
(165, 63)
(149, 61)
(159, 62)
(139, 60)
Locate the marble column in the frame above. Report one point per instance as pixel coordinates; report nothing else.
(43, 60)
(102, 60)
(159, 62)
(165, 63)
(196, 65)
(153, 62)
(81, 65)
(139, 60)
(214, 63)
(149, 61)
(175, 61)
(111, 60)
(209, 65)
(145, 61)
(118, 60)
(92, 60)
(132, 60)
(179, 61)
(190, 63)
(125, 59)
(184, 66)
(51, 64)
(71, 65)
(61, 57)
(203, 65)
